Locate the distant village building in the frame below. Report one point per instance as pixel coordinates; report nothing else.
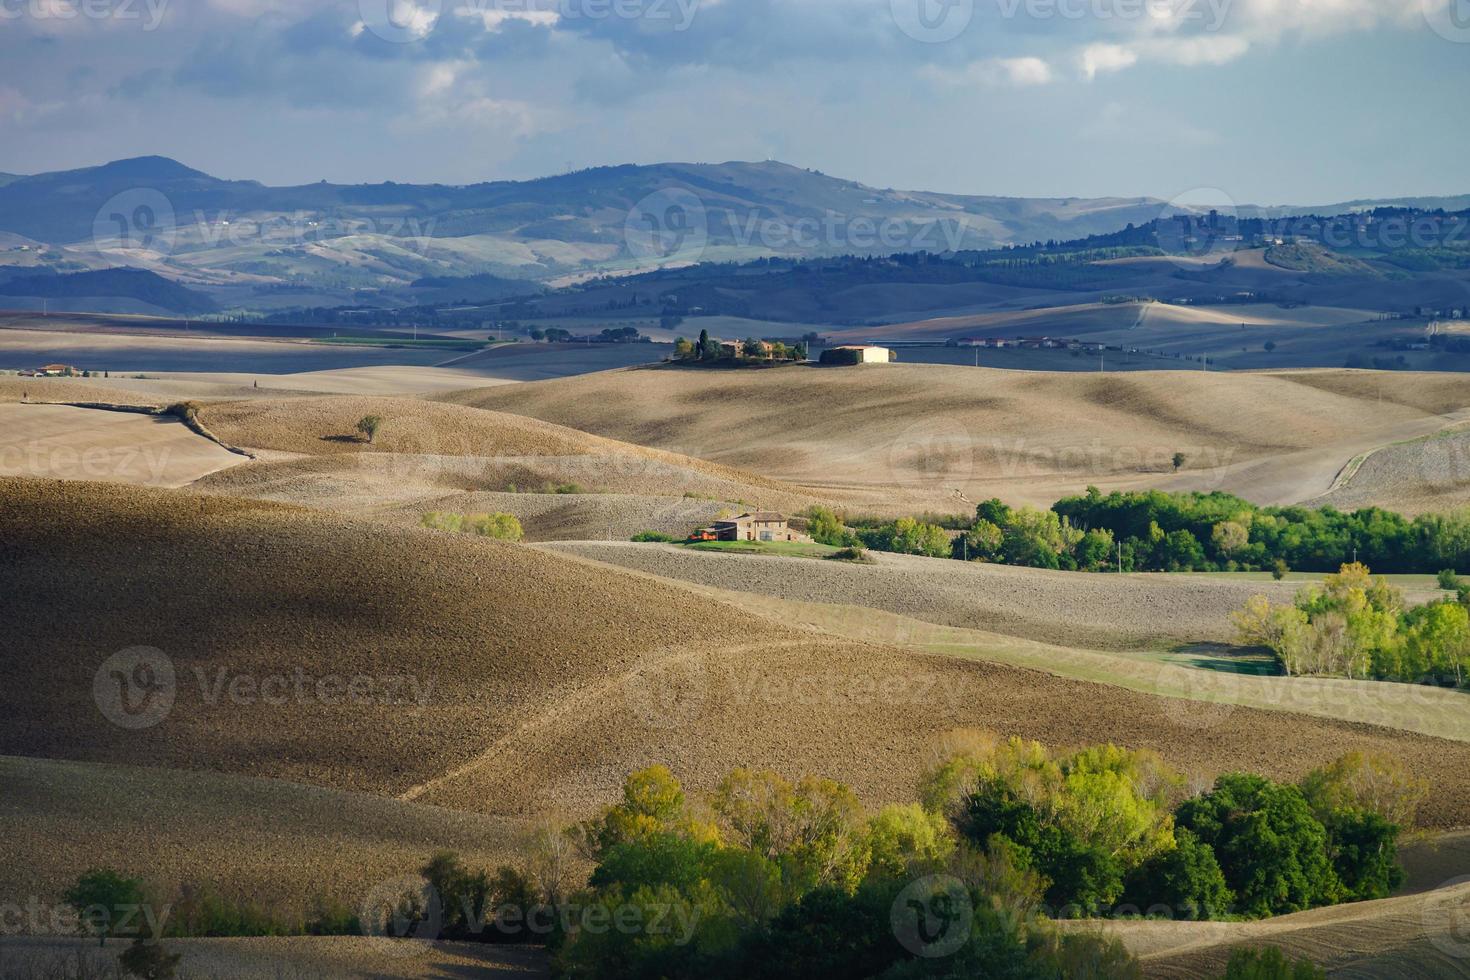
(858, 354)
(57, 371)
(758, 526)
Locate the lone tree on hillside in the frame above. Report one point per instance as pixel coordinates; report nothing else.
(369, 425)
(104, 900)
(1179, 460)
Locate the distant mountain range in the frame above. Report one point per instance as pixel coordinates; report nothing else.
(257, 247)
(588, 210)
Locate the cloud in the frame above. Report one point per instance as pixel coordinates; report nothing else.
(993, 73)
(1096, 59)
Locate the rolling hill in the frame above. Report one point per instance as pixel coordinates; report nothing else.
(899, 436)
(107, 286)
(542, 679)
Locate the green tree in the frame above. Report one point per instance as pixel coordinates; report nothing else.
(983, 542)
(1271, 848)
(103, 898)
(901, 837)
(1230, 537)
(1186, 880)
(825, 527)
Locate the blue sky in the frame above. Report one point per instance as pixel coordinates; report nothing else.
(1270, 101)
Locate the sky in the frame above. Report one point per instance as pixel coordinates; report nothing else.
(1258, 101)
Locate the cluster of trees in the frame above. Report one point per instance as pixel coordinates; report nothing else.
(778, 878)
(772, 878)
(1152, 531)
(1220, 532)
(112, 905)
(1353, 625)
(501, 527)
(1107, 831)
(708, 349)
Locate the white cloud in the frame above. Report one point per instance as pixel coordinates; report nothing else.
(494, 18)
(1103, 57)
(993, 73)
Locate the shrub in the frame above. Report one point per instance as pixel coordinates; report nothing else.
(149, 961)
(1449, 580)
(444, 522)
(858, 556)
(654, 537)
(1279, 569)
(368, 426)
(198, 911)
(501, 527)
(185, 411)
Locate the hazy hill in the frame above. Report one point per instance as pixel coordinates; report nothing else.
(590, 206)
(112, 284)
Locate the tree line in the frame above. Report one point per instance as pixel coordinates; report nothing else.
(1353, 625)
(1153, 531)
(769, 877)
